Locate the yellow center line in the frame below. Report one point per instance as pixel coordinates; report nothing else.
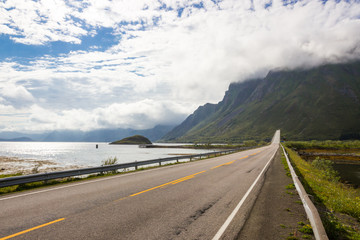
(217, 166)
(147, 190)
(165, 184)
(228, 163)
(132, 195)
(32, 229)
(181, 180)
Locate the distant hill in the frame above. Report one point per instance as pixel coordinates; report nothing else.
(320, 103)
(136, 139)
(100, 135)
(20, 139)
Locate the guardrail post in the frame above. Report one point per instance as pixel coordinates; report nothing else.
(177, 160)
(136, 165)
(159, 162)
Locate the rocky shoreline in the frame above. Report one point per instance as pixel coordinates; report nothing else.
(13, 165)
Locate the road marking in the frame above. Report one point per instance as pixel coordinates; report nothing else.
(181, 180)
(98, 180)
(228, 163)
(85, 182)
(234, 212)
(165, 184)
(81, 183)
(32, 229)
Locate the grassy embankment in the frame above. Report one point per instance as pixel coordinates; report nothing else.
(338, 204)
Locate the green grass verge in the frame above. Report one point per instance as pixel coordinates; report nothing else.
(329, 144)
(284, 163)
(336, 197)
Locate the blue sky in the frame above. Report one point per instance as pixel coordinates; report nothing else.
(116, 64)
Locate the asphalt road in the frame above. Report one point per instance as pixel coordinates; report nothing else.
(186, 201)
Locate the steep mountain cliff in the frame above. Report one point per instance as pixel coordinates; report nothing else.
(320, 103)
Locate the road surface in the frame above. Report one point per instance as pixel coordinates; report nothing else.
(186, 201)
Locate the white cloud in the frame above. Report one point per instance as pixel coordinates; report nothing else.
(162, 65)
(140, 115)
(38, 22)
(17, 96)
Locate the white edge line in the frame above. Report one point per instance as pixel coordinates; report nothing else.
(236, 209)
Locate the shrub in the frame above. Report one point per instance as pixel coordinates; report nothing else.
(110, 161)
(326, 168)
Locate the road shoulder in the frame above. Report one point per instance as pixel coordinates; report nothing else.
(277, 212)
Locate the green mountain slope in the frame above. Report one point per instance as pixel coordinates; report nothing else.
(320, 103)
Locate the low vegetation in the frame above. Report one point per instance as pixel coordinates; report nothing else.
(335, 145)
(109, 161)
(333, 198)
(245, 144)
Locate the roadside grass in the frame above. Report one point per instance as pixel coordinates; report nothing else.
(321, 181)
(290, 186)
(299, 231)
(284, 163)
(329, 144)
(246, 144)
(10, 175)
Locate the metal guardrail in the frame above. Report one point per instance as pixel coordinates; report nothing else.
(310, 209)
(10, 181)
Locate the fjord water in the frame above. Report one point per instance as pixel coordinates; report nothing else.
(85, 153)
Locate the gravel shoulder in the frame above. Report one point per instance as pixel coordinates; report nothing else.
(277, 212)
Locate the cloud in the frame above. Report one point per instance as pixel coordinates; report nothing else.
(38, 22)
(17, 96)
(167, 57)
(140, 115)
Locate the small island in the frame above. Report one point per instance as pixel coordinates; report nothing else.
(133, 140)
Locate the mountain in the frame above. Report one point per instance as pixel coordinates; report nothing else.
(110, 135)
(20, 139)
(133, 140)
(100, 135)
(319, 103)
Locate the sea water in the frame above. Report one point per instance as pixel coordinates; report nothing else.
(85, 154)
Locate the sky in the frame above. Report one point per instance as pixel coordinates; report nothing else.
(93, 64)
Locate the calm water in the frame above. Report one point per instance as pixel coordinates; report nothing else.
(86, 154)
(349, 172)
